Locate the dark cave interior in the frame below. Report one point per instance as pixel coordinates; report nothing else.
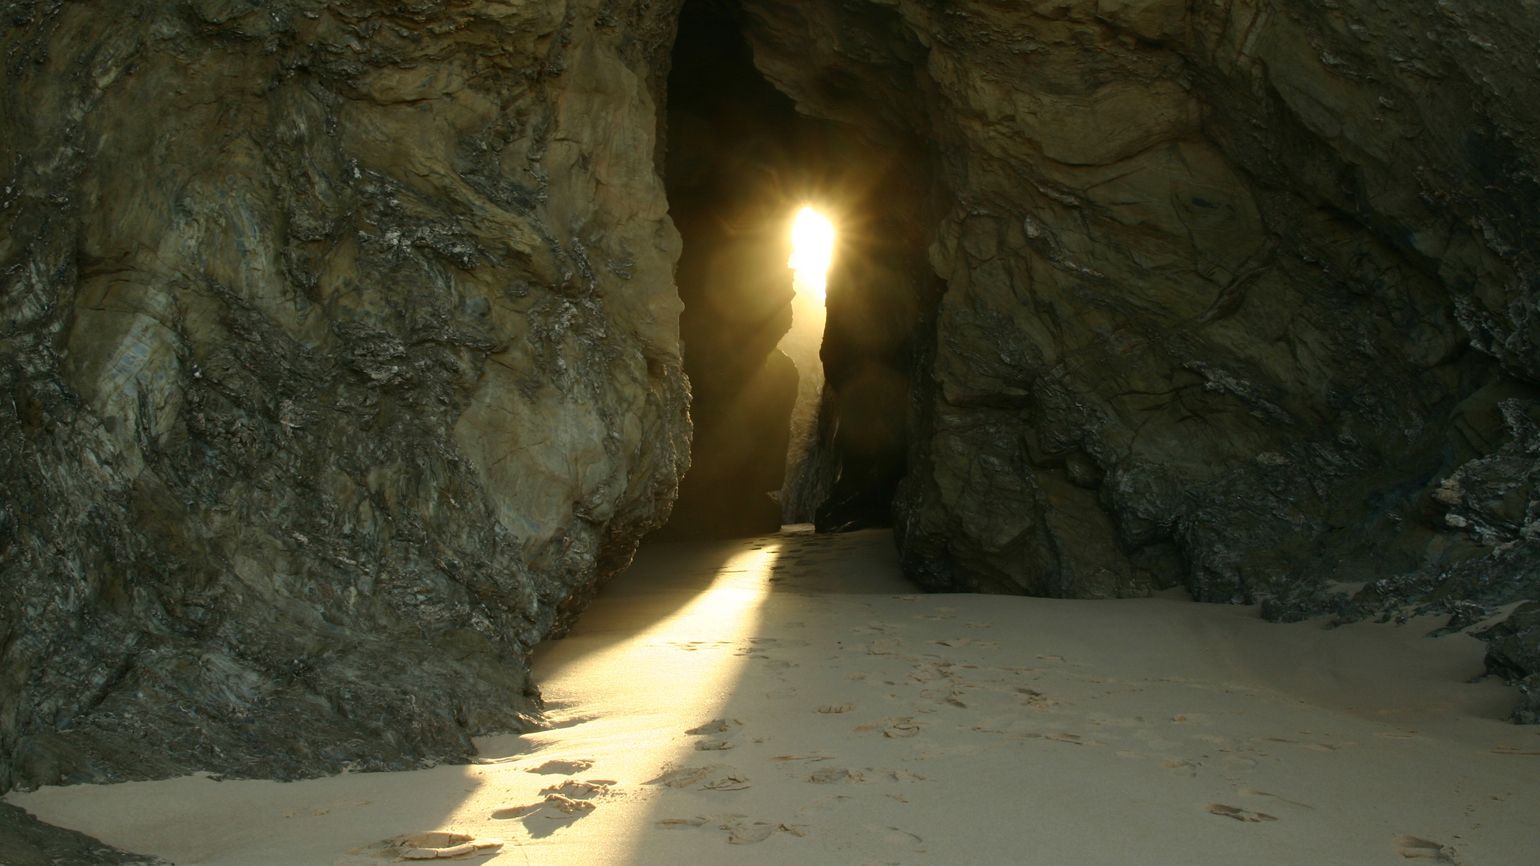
(740, 160)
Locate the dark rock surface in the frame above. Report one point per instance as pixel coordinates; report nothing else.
(1239, 296)
(1513, 653)
(1232, 292)
(339, 361)
(26, 841)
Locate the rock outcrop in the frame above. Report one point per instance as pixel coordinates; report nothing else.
(29, 842)
(1513, 652)
(340, 355)
(1233, 291)
(339, 361)
(1236, 295)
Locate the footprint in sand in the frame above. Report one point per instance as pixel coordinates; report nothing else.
(1057, 737)
(439, 845)
(1239, 814)
(698, 645)
(959, 642)
(950, 695)
(926, 672)
(740, 829)
(834, 775)
(1415, 848)
(1035, 699)
(544, 818)
(1181, 766)
(897, 836)
(1237, 764)
(1314, 747)
(748, 832)
(563, 803)
(567, 805)
(566, 767)
(581, 789)
(555, 806)
(872, 628)
(729, 782)
(1252, 792)
(683, 777)
(714, 777)
(899, 728)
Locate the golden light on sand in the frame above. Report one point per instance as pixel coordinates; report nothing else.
(842, 718)
(812, 251)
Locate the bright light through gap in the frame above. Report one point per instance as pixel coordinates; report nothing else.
(812, 250)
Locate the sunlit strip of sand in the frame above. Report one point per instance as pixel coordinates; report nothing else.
(788, 700)
(645, 663)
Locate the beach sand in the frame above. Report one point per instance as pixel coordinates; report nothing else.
(790, 699)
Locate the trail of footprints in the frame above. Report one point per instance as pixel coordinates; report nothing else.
(563, 803)
(944, 682)
(573, 798)
(740, 829)
(941, 682)
(715, 736)
(1415, 848)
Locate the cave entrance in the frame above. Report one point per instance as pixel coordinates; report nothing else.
(754, 188)
(740, 164)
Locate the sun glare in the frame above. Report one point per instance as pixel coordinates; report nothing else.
(812, 250)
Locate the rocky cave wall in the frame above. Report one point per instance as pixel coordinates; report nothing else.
(1238, 295)
(339, 361)
(340, 352)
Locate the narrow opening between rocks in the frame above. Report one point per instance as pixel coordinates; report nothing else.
(741, 165)
(800, 397)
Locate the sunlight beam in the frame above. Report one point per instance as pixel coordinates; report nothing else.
(812, 251)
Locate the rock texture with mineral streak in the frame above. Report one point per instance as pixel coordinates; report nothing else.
(339, 360)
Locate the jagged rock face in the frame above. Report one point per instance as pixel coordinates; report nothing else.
(1514, 652)
(339, 355)
(1230, 288)
(339, 361)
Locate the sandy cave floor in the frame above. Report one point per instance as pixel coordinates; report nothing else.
(790, 699)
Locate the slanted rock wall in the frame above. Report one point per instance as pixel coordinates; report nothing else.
(339, 361)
